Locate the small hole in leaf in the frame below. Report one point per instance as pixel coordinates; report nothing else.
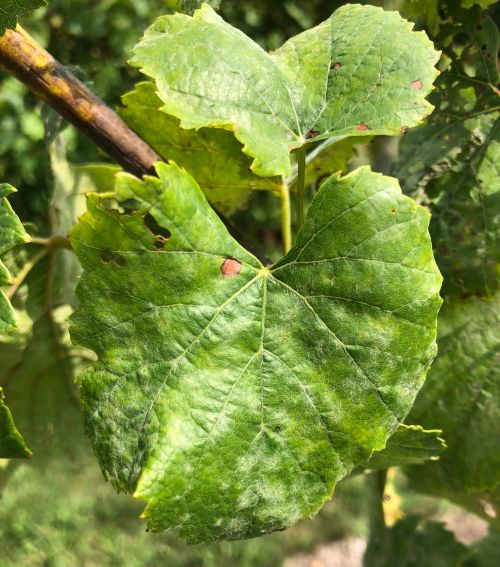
(131, 206)
(312, 134)
(106, 256)
(152, 225)
(230, 267)
(484, 47)
(119, 260)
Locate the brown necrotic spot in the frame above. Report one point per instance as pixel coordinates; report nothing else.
(403, 129)
(230, 267)
(362, 127)
(336, 65)
(417, 85)
(312, 134)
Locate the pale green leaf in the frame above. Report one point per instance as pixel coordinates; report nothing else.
(410, 444)
(231, 396)
(12, 233)
(189, 6)
(361, 72)
(11, 10)
(213, 157)
(461, 395)
(413, 542)
(12, 445)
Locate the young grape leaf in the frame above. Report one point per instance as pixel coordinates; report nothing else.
(461, 394)
(361, 72)
(213, 157)
(10, 10)
(232, 396)
(12, 233)
(12, 445)
(413, 542)
(410, 444)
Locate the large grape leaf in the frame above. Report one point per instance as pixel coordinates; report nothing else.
(11, 10)
(232, 396)
(413, 542)
(461, 394)
(213, 157)
(361, 72)
(12, 444)
(12, 233)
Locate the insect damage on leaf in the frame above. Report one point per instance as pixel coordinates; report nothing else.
(209, 74)
(226, 402)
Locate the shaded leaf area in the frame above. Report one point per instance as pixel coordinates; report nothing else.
(461, 394)
(361, 72)
(410, 444)
(11, 10)
(12, 233)
(213, 157)
(12, 445)
(452, 162)
(227, 415)
(38, 362)
(412, 542)
(485, 552)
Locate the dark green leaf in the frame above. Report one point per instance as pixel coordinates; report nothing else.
(231, 396)
(411, 543)
(461, 395)
(12, 445)
(361, 72)
(12, 233)
(11, 10)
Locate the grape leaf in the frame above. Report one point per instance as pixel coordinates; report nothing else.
(413, 542)
(12, 233)
(213, 157)
(361, 72)
(410, 444)
(461, 394)
(12, 444)
(231, 396)
(10, 10)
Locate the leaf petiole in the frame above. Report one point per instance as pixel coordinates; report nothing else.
(301, 178)
(286, 218)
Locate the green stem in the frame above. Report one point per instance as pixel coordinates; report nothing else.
(301, 180)
(376, 485)
(286, 218)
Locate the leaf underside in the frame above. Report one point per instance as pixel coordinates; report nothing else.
(11, 10)
(361, 72)
(230, 396)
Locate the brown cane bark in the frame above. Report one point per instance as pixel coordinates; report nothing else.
(26, 60)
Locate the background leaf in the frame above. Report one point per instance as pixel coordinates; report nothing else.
(213, 157)
(12, 444)
(349, 90)
(11, 10)
(12, 233)
(461, 394)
